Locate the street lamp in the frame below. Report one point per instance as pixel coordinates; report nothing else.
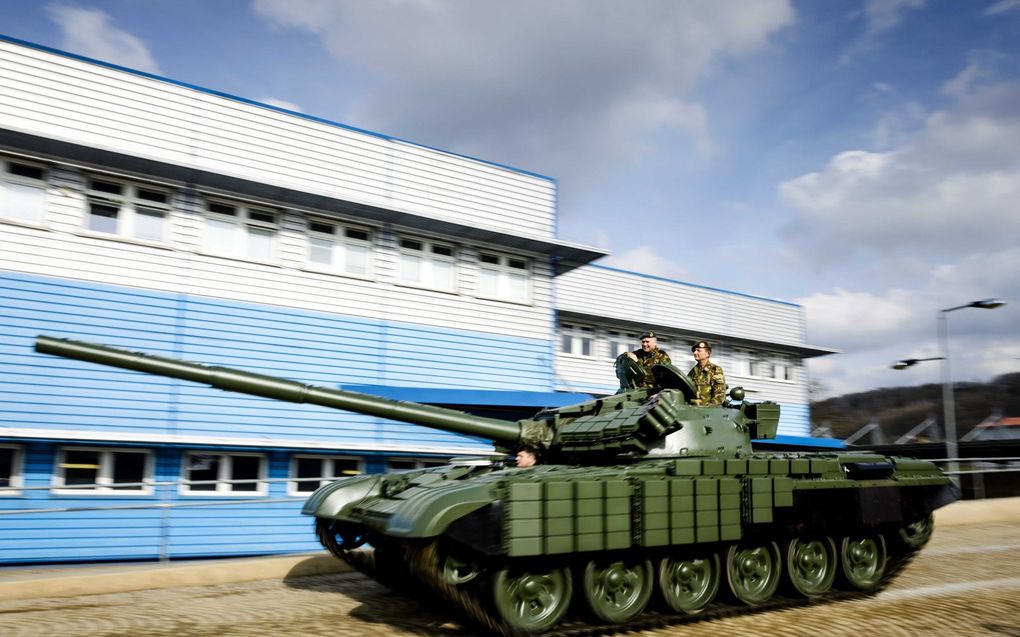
(910, 362)
(948, 405)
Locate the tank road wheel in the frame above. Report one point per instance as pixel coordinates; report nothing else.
(916, 535)
(531, 601)
(455, 571)
(753, 571)
(617, 591)
(864, 560)
(811, 565)
(689, 584)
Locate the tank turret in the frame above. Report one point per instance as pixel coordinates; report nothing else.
(638, 494)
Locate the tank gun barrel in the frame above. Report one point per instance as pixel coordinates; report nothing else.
(235, 380)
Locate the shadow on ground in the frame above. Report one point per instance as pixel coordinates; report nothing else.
(413, 611)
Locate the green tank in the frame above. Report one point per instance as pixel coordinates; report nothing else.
(639, 498)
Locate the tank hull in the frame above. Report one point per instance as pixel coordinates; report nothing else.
(481, 535)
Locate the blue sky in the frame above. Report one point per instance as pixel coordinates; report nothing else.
(859, 157)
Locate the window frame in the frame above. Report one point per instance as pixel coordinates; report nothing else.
(16, 479)
(42, 183)
(293, 484)
(243, 223)
(128, 203)
(104, 472)
(223, 474)
(340, 240)
(503, 271)
(623, 338)
(577, 334)
(428, 256)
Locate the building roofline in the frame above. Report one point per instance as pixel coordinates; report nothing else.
(692, 285)
(245, 100)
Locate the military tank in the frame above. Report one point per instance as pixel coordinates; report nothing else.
(640, 498)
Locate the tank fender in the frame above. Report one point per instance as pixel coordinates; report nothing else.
(331, 499)
(430, 513)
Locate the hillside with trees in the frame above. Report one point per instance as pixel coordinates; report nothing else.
(900, 409)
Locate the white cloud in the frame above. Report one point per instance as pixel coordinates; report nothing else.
(874, 329)
(644, 259)
(1002, 6)
(90, 32)
(883, 15)
(950, 189)
(856, 319)
(879, 16)
(567, 88)
(290, 106)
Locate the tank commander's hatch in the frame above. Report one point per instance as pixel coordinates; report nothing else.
(668, 376)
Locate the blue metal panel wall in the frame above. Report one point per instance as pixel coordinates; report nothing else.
(124, 534)
(46, 392)
(794, 420)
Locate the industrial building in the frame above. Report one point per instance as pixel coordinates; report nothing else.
(149, 214)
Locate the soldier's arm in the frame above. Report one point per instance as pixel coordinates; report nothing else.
(719, 387)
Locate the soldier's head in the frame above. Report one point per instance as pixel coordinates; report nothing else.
(649, 342)
(527, 456)
(702, 351)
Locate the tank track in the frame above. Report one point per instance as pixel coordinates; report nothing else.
(473, 600)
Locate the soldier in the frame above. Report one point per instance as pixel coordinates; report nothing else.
(527, 456)
(708, 377)
(649, 355)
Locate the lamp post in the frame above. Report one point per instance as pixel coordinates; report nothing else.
(948, 405)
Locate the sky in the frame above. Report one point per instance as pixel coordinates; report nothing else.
(858, 157)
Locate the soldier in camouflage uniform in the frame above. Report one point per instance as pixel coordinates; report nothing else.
(708, 377)
(649, 355)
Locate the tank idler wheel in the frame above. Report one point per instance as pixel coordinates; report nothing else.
(617, 590)
(917, 534)
(339, 539)
(689, 584)
(864, 560)
(811, 565)
(531, 600)
(753, 571)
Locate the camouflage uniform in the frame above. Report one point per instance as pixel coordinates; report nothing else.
(647, 359)
(710, 383)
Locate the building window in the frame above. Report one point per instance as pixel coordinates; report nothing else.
(621, 342)
(338, 248)
(311, 472)
(577, 340)
(235, 230)
(88, 469)
(407, 464)
(22, 191)
(127, 210)
(503, 277)
(10, 470)
(428, 264)
(783, 370)
(219, 473)
(764, 368)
